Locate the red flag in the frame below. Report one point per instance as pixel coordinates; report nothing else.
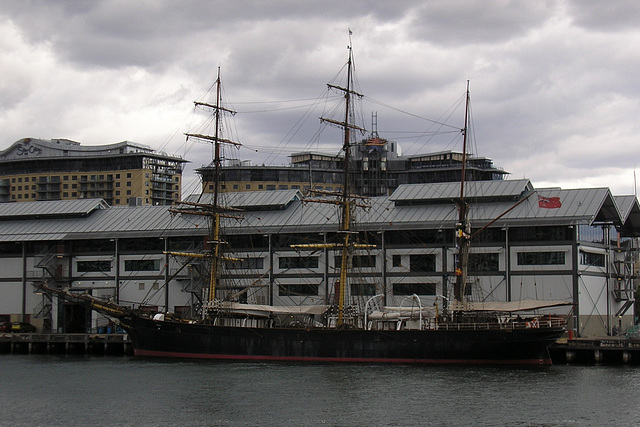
(549, 202)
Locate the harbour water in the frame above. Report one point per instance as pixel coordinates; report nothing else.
(91, 390)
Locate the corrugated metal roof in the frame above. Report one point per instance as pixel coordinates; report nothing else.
(138, 221)
(578, 206)
(589, 204)
(630, 213)
(250, 199)
(51, 208)
(411, 193)
(625, 205)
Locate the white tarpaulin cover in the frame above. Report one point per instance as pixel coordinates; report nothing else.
(511, 306)
(266, 310)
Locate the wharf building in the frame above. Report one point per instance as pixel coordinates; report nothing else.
(575, 245)
(377, 170)
(60, 169)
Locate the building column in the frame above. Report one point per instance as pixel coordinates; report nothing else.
(445, 277)
(55, 318)
(270, 249)
(23, 314)
(575, 258)
(166, 275)
(325, 273)
(117, 269)
(507, 262)
(607, 261)
(383, 251)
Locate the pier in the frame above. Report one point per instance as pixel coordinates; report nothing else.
(96, 344)
(606, 351)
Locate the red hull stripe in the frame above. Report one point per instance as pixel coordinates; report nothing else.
(154, 353)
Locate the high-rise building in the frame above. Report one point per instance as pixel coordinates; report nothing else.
(59, 169)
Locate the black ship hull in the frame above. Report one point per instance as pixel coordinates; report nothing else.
(154, 338)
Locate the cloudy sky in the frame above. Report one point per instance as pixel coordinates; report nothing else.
(554, 83)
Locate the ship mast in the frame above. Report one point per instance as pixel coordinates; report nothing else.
(214, 211)
(346, 208)
(344, 199)
(463, 228)
(214, 229)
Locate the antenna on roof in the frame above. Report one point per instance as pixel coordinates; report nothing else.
(374, 124)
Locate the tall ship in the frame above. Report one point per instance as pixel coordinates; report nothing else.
(457, 331)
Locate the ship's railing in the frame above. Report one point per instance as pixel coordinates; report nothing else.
(528, 323)
(433, 324)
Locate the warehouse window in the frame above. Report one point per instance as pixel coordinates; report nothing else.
(359, 289)
(422, 262)
(298, 262)
(540, 233)
(483, 262)
(396, 260)
(363, 261)
(245, 264)
(592, 259)
(93, 266)
(414, 288)
(358, 261)
(298, 289)
(142, 265)
(541, 258)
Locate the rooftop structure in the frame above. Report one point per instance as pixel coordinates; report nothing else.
(377, 170)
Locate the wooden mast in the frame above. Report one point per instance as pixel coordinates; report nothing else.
(214, 230)
(346, 203)
(214, 211)
(345, 226)
(344, 199)
(463, 229)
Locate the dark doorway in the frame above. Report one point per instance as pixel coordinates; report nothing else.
(76, 318)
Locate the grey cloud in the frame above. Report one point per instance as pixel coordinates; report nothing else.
(152, 33)
(479, 21)
(608, 16)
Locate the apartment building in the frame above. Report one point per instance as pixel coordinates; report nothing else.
(59, 169)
